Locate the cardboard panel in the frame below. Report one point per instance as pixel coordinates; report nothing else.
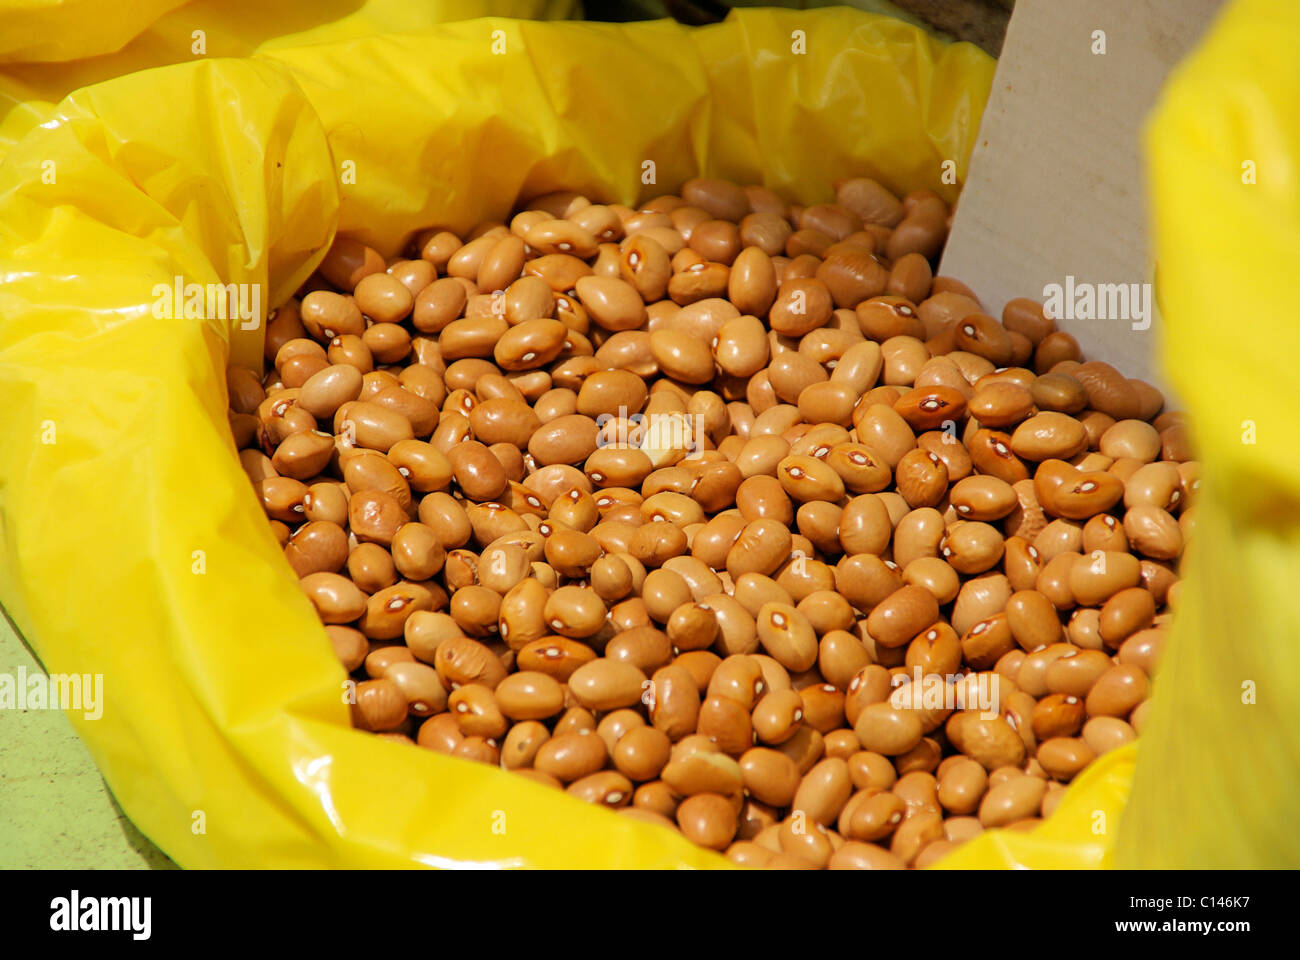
(1055, 188)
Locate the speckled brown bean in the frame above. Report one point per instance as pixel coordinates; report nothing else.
(761, 547)
(823, 791)
(801, 306)
(420, 684)
(349, 261)
(1102, 532)
(476, 712)
(1125, 613)
(461, 660)
(1064, 757)
(423, 466)
(503, 420)
(615, 304)
(1033, 619)
(447, 518)
(379, 705)
(692, 626)
(1094, 579)
(866, 581)
(1151, 531)
(823, 707)
(641, 753)
(1057, 715)
(971, 547)
(1144, 649)
(769, 776)
(502, 567)
(726, 724)
(885, 730)
(475, 608)
(991, 453)
(529, 695)
(326, 391)
(1103, 734)
(383, 298)
(438, 304)
(777, 716)
(327, 315)
(574, 612)
(611, 578)
(571, 756)
(991, 742)
(1026, 317)
(558, 657)
(424, 631)
(303, 455)
(885, 432)
(441, 733)
(416, 551)
(1083, 629)
(1048, 436)
(871, 771)
(962, 786)
(1074, 672)
(615, 724)
(477, 472)
(522, 743)
(872, 814)
(565, 440)
(575, 720)
(841, 743)
(698, 768)
(1117, 691)
(1131, 438)
(922, 478)
(611, 392)
(682, 357)
(1001, 404)
(321, 501)
(1158, 484)
(707, 819)
(902, 615)
(1053, 580)
(674, 701)
(1012, 800)
(787, 635)
(982, 498)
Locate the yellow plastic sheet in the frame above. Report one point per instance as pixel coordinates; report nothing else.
(48, 48)
(1218, 778)
(132, 545)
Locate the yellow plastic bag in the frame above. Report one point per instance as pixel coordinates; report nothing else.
(48, 49)
(62, 31)
(133, 545)
(1218, 776)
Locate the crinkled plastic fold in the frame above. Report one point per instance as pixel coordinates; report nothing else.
(132, 545)
(48, 48)
(1218, 776)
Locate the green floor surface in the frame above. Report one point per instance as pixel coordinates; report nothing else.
(55, 809)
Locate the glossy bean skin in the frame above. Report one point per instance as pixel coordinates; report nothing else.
(642, 753)
(379, 705)
(823, 791)
(529, 696)
(571, 756)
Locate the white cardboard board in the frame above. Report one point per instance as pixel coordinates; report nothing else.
(1055, 185)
